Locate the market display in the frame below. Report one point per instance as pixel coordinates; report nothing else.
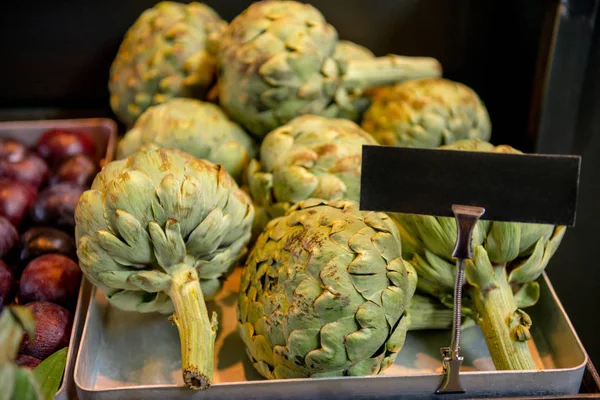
(276, 62)
(324, 293)
(199, 128)
(167, 52)
(265, 179)
(157, 232)
(426, 113)
(508, 257)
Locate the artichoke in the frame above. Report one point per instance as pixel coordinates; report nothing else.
(508, 257)
(199, 128)
(311, 156)
(277, 61)
(426, 113)
(156, 232)
(168, 52)
(324, 293)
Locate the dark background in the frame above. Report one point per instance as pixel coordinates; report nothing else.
(536, 65)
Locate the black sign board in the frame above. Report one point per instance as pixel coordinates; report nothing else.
(511, 187)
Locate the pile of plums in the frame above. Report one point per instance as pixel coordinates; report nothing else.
(39, 190)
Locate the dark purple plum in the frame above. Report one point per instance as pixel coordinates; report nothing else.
(8, 237)
(51, 277)
(56, 204)
(78, 170)
(12, 150)
(6, 285)
(42, 240)
(53, 325)
(27, 361)
(16, 199)
(31, 169)
(57, 145)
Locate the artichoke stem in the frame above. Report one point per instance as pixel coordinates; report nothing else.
(196, 333)
(504, 326)
(389, 70)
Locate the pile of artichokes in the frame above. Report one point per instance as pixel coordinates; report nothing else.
(265, 171)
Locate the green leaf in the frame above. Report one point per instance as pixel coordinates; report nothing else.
(49, 373)
(25, 386)
(13, 321)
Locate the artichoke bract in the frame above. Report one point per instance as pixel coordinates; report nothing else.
(277, 61)
(157, 232)
(311, 156)
(324, 293)
(199, 128)
(426, 113)
(508, 257)
(169, 51)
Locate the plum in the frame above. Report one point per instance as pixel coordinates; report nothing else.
(27, 361)
(30, 169)
(56, 205)
(12, 150)
(56, 145)
(43, 240)
(79, 170)
(8, 237)
(6, 285)
(51, 277)
(16, 199)
(53, 325)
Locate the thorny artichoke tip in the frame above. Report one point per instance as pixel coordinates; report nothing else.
(508, 257)
(311, 156)
(199, 128)
(426, 113)
(169, 51)
(324, 293)
(277, 61)
(156, 232)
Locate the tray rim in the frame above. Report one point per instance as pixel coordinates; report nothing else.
(226, 385)
(83, 298)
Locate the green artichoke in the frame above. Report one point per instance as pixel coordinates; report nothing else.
(324, 293)
(426, 113)
(347, 51)
(311, 156)
(156, 232)
(277, 61)
(508, 257)
(199, 128)
(169, 51)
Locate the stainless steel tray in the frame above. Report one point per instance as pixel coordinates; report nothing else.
(103, 132)
(126, 355)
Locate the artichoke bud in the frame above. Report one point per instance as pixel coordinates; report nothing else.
(310, 157)
(167, 52)
(199, 128)
(324, 293)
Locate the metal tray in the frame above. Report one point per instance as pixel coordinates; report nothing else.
(103, 132)
(127, 355)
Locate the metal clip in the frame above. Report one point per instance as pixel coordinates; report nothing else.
(466, 218)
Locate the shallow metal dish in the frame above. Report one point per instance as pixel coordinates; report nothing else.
(103, 132)
(126, 355)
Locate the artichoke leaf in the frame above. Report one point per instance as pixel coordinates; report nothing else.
(503, 242)
(169, 248)
(530, 268)
(527, 295)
